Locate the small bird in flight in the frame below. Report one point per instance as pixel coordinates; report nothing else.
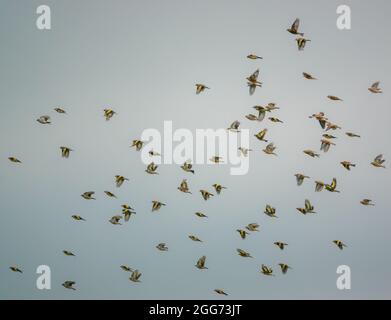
(201, 263)
(135, 276)
(200, 88)
(332, 187)
(65, 152)
(60, 110)
(253, 57)
(88, 195)
(69, 285)
(119, 180)
(270, 211)
(156, 205)
(108, 114)
(294, 29)
(347, 165)
(339, 244)
(300, 178)
(267, 271)
(162, 247)
(184, 187)
(221, 292)
(44, 120)
(308, 76)
(206, 194)
(301, 42)
(367, 202)
(243, 253)
(378, 161)
(14, 160)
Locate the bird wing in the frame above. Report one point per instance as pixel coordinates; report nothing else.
(295, 25)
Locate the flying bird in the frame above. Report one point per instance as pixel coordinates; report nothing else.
(216, 159)
(108, 114)
(16, 269)
(201, 215)
(252, 82)
(321, 118)
(243, 253)
(162, 247)
(244, 151)
(276, 120)
(339, 244)
(201, 263)
(187, 167)
(119, 180)
(252, 227)
(60, 110)
(68, 253)
(280, 244)
(218, 187)
(294, 29)
(135, 276)
(115, 220)
(14, 160)
(332, 187)
(334, 98)
(77, 218)
(88, 195)
(242, 233)
(267, 271)
(328, 136)
(126, 268)
(253, 57)
(378, 161)
(69, 285)
(325, 145)
(332, 126)
(300, 178)
(319, 186)
(110, 194)
(270, 211)
(200, 88)
(138, 144)
(261, 135)
(352, 135)
(308, 76)
(156, 205)
(65, 152)
(366, 202)
(151, 168)
(194, 238)
(127, 212)
(44, 120)
(234, 127)
(301, 42)
(184, 187)
(311, 153)
(270, 149)
(284, 267)
(221, 292)
(347, 165)
(206, 194)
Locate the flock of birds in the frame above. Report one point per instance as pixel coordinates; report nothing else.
(252, 82)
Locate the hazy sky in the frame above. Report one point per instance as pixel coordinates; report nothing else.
(142, 58)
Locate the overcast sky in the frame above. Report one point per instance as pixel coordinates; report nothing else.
(143, 58)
